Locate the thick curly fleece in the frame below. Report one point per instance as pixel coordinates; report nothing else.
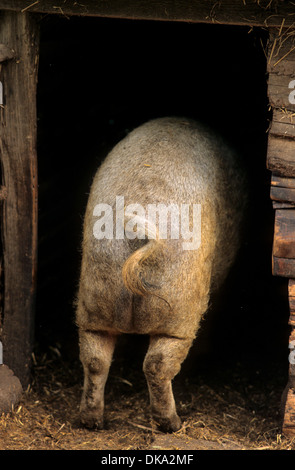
(153, 286)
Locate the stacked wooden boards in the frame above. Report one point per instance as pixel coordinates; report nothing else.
(281, 162)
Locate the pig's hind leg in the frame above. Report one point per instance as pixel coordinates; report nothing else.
(162, 362)
(96, 351)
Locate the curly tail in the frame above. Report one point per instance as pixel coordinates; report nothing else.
(132, 271)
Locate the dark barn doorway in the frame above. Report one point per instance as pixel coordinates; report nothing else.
(100, 78)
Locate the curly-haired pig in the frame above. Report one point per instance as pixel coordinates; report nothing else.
(135, 278)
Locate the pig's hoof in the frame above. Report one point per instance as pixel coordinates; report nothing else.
(90, 420)
(169, 424)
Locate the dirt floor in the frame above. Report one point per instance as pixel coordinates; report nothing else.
(222, 407)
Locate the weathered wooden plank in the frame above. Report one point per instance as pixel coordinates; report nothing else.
(281, 68)
(283, 123)
(282, 190)
(283, 267)
(19, 32)
(283, 205)
(292, 305)
(282, 194)
(262, 13)
(280, 91)
(281, 182)
(281, 51)
(281, 156)
(5, 53)
(291, 288)
(284, 234)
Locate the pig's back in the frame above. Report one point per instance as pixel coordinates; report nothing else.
(168, 160)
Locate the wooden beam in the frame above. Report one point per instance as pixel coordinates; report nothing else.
(279, 89)
(284, 234)
(233, 12)
(283, 267)
(281, 68)
(283, 205)
(281, 182)
(281, 156)
(283, 123)
(19, 32)
(291, 291)
(282, 192)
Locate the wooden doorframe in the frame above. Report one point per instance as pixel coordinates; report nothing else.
(18, 73)
(18, 135)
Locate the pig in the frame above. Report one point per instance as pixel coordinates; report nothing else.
(140, 282)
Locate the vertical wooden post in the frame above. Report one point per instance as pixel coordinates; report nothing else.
(281, 161)
(18, 125)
